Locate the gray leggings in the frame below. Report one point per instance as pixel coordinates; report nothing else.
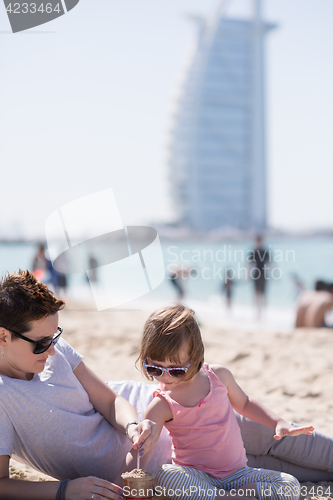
(178, 483)
(309, 458)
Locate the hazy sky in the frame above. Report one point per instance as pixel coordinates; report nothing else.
(85, 103)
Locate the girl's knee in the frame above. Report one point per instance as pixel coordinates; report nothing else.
(291, 487)
(169, 469)
(169, 475)
(283, 487)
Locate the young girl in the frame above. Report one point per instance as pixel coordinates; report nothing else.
(195, 402)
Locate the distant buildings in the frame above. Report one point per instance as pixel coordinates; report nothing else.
(217, 151)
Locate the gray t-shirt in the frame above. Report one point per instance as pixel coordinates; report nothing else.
(50, 424)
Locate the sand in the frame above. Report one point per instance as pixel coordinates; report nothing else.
(138, 483)
(137, 474)
(289, 371)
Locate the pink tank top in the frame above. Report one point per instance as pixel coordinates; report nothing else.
(206, 436)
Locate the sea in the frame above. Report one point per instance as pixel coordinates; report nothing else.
(293, 264)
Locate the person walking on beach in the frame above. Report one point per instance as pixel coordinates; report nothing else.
(227, 287)
(195, 402)
(259, 263)
(177, 275)
(298, 284)
(41, 266)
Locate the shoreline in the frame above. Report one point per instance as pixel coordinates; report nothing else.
(213, 311)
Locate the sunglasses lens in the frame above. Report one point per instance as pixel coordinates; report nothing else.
(42, 347)
(177, 373)
(154, 371)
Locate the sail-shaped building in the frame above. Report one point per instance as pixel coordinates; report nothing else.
(217, 165)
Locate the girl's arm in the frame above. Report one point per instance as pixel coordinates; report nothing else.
(114, 408)
(254, 410)
(159, 412)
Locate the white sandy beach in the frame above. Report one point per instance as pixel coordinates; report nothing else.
(289, 371)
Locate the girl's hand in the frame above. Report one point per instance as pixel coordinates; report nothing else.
(148, 436)
(84, 488)
(283, 428)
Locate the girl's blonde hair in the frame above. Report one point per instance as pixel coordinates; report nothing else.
(164, 334)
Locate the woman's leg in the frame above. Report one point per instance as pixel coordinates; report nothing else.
(309, 458)
(303, 474)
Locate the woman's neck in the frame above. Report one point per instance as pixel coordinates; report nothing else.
(8, 371)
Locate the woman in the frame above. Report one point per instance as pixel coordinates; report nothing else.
(55, 414)
(58, 417)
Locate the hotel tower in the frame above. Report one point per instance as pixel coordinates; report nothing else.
(217, 165)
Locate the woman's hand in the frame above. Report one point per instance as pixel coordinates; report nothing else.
(284, 428)
(148, 436)
(92, 488)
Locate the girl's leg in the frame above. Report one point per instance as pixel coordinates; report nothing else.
(182, 483)
(306, 457)
(270, 485)
(177, 483)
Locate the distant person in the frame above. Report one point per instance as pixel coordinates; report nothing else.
(321, 285)
(259, 262)
(313, 306)
(59, 275)
(298, 284)
(61, 283)
(41, 266)
(93, 265)
(228, 285)
(176, 277)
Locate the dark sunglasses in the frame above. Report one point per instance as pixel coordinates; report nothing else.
(157, 371)
(40, 345)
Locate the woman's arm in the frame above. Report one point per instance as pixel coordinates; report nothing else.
(114, 408)
(254, 410)
(25, 490)
(77, 489)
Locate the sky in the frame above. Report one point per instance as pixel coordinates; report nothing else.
(86, 100)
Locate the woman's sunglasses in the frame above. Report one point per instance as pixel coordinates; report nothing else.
(40, 345)
(157, 371)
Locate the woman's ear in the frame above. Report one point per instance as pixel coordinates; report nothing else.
(3, 336)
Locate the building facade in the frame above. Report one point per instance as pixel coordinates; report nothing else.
(217, 150)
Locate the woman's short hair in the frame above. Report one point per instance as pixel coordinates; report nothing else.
(24, 299)
(164, 334)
